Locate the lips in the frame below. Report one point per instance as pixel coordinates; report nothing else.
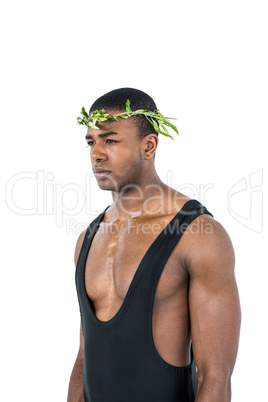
(101, 173)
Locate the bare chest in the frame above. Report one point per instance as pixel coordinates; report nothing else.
(114, 257)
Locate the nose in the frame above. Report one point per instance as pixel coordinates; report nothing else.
(98, 153)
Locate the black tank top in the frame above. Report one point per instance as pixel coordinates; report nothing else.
(121, 363)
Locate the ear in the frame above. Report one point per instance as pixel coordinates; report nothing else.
(149, 145)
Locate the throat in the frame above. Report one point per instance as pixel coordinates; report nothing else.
(145, 200)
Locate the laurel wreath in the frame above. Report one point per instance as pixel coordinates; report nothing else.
(156, 119)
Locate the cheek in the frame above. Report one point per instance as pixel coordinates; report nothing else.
(127, 164)
(126, 155)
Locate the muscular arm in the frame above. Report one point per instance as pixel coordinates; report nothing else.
(75, 392)
(214, 311)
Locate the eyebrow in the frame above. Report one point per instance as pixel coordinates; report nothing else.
(103, 135)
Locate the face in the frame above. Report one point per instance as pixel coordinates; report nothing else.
(116, 154)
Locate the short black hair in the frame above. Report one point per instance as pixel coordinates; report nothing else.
(116, 100)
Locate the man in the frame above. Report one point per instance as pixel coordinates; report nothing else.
(154, 276)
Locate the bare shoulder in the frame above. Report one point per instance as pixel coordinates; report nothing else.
(78, 246)
(208, 249)
(213, 301)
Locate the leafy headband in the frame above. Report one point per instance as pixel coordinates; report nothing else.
(156, 119)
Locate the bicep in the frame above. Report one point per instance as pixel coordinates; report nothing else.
(214, 304)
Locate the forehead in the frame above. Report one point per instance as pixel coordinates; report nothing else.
(124, 127)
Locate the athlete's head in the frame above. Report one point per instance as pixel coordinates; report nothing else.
(122, 152)
(116, 101)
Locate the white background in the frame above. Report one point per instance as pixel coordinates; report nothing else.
(204, 62)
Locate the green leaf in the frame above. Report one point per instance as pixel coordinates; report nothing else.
(155, 118)
(163, 128)
(109, 120)
(173, 127)
(128, 109)
(154, 124)
(84, 113)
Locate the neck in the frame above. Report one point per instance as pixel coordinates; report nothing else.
(131, 203)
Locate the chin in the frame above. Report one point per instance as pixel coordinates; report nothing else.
(117, 186)
(107, 185)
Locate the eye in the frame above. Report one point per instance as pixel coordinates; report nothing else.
(90, 143)
(110, 141)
